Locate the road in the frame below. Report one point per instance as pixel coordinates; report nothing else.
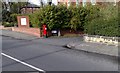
(50, 55)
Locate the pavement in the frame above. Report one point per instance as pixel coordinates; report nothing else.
(97, 48)
(72, 44)
(17, 35)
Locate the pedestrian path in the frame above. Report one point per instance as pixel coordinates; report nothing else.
(17, 35)
(94, 48)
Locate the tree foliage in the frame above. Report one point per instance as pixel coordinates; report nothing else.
(78, 17)
(10, 12)
(94, 20)
(55, 17)
(103, 22)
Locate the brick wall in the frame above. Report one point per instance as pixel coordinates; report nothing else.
(36, 31)
(1, 27)
(5, 28)
(31, 31)
(19, 21)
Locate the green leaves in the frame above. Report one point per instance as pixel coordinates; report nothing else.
(103, 22)
(94, 20)
(34, 19)
(78, 17)
(9, 18)
(54, 16)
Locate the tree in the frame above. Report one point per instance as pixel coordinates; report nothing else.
(16, 6)
(10, 10)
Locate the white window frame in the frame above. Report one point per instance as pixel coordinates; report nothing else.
(93, 2)
(84, 2)
(115, 2)
(68, 3)
(77, 3)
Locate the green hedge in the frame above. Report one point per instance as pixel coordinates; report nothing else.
(78, 17)
(58, 17)
(93, 19)
(106, 24)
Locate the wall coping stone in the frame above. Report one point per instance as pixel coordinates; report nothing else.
(102, 39)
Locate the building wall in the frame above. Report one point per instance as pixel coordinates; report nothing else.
(73, 2)
(31, 31)
(28, 10)
(89, 0)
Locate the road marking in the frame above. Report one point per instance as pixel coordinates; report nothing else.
(31, 66)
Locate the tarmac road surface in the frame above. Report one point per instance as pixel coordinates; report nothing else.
(50, 55)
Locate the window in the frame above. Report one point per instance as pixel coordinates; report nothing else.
(69, 2)
(93, 2)
(84, 2)
(77, 2)
(115, 2)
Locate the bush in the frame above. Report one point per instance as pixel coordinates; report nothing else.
(78, 17)
(105, 24)
(58, 17)
(7, 24)
(14, 17)
(6, 16)
(94, 20)
(34, 19)
(55, 17)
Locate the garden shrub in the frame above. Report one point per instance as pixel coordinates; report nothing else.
(78, 17)
(7, 24)
(106, 23)
(93, 19)
(34, 19)
(55, 17)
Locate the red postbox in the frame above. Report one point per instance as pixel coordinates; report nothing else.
(44, 30)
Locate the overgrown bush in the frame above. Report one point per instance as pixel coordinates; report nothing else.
(55, 17)
(78, 17)
(14, 18)
(34, 19)
(93, 19)
(7, 24)
(6, 16)
(106, 22)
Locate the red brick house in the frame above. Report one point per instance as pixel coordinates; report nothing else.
(84, 2)
(30, 8)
